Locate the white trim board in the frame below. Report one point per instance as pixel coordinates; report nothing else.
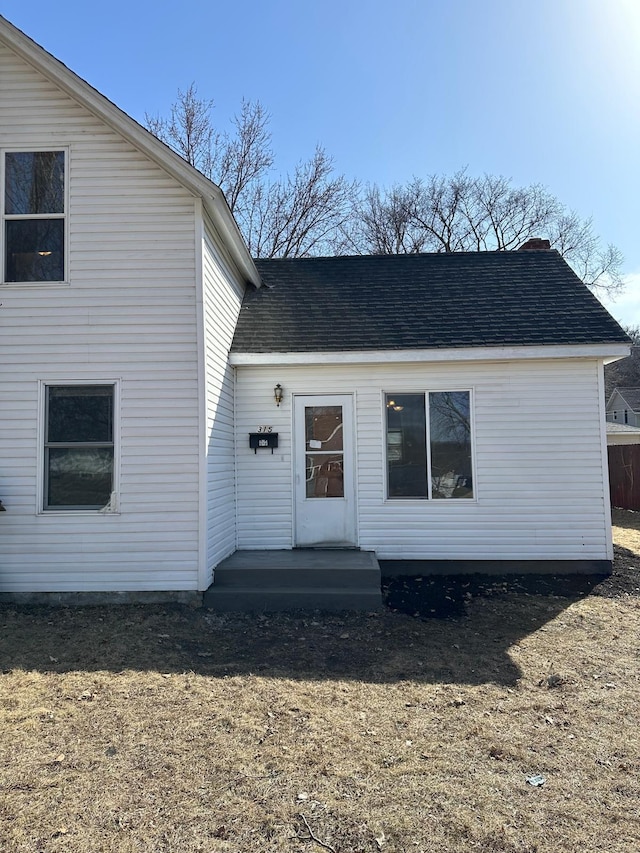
(608, 352)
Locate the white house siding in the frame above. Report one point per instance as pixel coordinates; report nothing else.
(540, 489)
(127, 314)
(222, 299)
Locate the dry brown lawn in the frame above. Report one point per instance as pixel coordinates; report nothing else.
(169, 729)
(626, 529)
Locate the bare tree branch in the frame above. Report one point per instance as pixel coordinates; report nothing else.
(315, 211)
(457, 213)
(300, 214)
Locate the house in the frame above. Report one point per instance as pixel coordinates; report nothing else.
(623, 447)
(618, 434)
(623, 406)
(454, 375)
(122, 276)
(411, 407)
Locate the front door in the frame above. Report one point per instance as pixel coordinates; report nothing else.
(325, 512)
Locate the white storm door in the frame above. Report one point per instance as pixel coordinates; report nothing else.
(325, 505)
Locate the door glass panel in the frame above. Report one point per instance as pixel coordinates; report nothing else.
(324, 475)
(323, 428)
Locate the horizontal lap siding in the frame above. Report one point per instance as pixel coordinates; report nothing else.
(222, 300)
(128, 313)
(539, 473)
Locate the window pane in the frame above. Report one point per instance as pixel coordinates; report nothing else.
(80, 413)
(406, 446)
(323, 427)
(35, 249)
(450, 431)
(34, 182)
(79, 477)
(325, 478)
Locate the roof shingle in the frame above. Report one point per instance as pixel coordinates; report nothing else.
(421, 301)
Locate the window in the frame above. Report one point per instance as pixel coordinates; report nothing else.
(34, 216)
(429, 452)
(78, 446)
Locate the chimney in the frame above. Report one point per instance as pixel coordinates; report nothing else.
(535, 244)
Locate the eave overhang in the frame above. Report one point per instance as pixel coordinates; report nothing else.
(603, 352)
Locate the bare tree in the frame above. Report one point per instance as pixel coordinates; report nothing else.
(292, 216)
(458, 213)
(189, 130)
(302, 214)
(315, 211)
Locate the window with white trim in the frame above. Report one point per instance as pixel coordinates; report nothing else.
(429, 445)
(78, 446)
(33, 211)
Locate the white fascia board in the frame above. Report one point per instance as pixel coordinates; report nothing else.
(606, 352)
(142, 139)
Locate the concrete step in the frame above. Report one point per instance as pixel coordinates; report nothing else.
(349, 569)
(310, 579)
(259, 600)
(303, 578)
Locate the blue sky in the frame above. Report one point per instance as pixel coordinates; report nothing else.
(542, 93)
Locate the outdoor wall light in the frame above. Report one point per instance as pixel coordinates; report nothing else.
(278, 394)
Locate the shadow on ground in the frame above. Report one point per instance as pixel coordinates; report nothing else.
(479, 620)
(443, 597)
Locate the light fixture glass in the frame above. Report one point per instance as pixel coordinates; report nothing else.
(278, 394)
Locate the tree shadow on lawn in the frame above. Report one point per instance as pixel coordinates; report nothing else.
(483, 619)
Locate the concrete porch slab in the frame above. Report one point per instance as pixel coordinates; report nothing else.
(309, 579)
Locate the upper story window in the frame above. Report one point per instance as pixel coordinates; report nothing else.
(34, 216)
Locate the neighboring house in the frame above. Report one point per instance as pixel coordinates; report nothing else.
(622, 434)
(623, 446)
(414, 406)
(624, 406)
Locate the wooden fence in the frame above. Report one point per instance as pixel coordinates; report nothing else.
(624, 475)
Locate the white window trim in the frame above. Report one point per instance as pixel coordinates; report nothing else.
(18, 149)
(429, 500)
(42, 432)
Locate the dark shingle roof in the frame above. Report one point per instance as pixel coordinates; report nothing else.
(631, 397)
(469, 299)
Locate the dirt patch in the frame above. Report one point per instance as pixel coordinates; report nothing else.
(447, 596)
